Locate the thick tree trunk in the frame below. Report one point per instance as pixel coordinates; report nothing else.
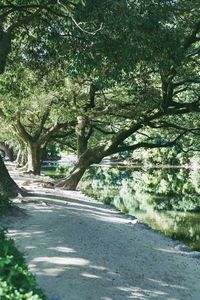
(82, 140)
(18, 158)
(11, 154)
(22, 158)
(86, 159)
(71, 182)
(7, 185)
(81, 145)
(5, 48)
(7, 150)
(34, 159)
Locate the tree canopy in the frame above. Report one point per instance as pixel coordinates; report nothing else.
(105, 76)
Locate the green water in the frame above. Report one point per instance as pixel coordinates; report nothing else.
(168, 200)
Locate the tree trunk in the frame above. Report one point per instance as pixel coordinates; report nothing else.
(81, 145)
(7, 185)
(5, 48)
(18, 158)
(7, 150)
(86, 159)
(11, 154)
(81, 135)
(23, 158)
(34, 159)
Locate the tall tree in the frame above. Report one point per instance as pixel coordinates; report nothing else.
(159, 64)
(36, 109)
(157, 72)
(41, 25)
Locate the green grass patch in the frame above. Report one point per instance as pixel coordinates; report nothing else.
(16, 282)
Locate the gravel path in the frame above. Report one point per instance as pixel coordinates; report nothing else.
(80, 249)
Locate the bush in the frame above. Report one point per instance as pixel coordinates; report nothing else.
(176, 202)
(16, 282)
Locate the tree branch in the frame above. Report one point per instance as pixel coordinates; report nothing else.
(21, 129)
(150, 145)
(192, 38)
(103, 130)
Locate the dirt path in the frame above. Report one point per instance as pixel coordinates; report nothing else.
(81, 250)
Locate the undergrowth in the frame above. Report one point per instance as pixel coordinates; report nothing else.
(16, 282)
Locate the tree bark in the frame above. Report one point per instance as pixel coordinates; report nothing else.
(7, 185)
(88, 158)
(21, 159)
(34, 158)
(5, 48)
(7, 150)
(18, 158)
(81, 135)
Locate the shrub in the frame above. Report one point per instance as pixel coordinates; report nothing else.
(16, 282)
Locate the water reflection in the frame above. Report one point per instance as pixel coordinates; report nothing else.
(167, 199)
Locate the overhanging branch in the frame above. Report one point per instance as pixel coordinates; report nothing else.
(150, 145)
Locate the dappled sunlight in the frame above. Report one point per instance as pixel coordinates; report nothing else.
(30, 247)
(164, 284)
(99, 268)
(45, 210)
(77, 203)
(102, 213)
(88, 248)
(179, 248)
(104, 217)
(90, 275)
(29, 234)
(109, 219)
(63, 249)
(143, 294)
(168, 250)
(52, 266)
(89, 209)
(52, 272)
(72, 202)
(61, 261)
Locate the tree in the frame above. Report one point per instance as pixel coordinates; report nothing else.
(155, 79)
(161, 81)
(20, 22)
(38, 111)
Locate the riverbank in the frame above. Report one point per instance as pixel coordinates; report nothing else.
(79, 248)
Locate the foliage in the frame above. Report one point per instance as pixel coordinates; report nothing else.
(52, 152)
(178, 225)
(165, 199)
(16, 282)
(132, 189)
(179, 203)
(126, 67)
(55, 172)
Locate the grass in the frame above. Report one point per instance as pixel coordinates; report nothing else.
(16, 282)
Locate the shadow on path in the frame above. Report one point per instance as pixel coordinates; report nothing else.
(80, 250)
